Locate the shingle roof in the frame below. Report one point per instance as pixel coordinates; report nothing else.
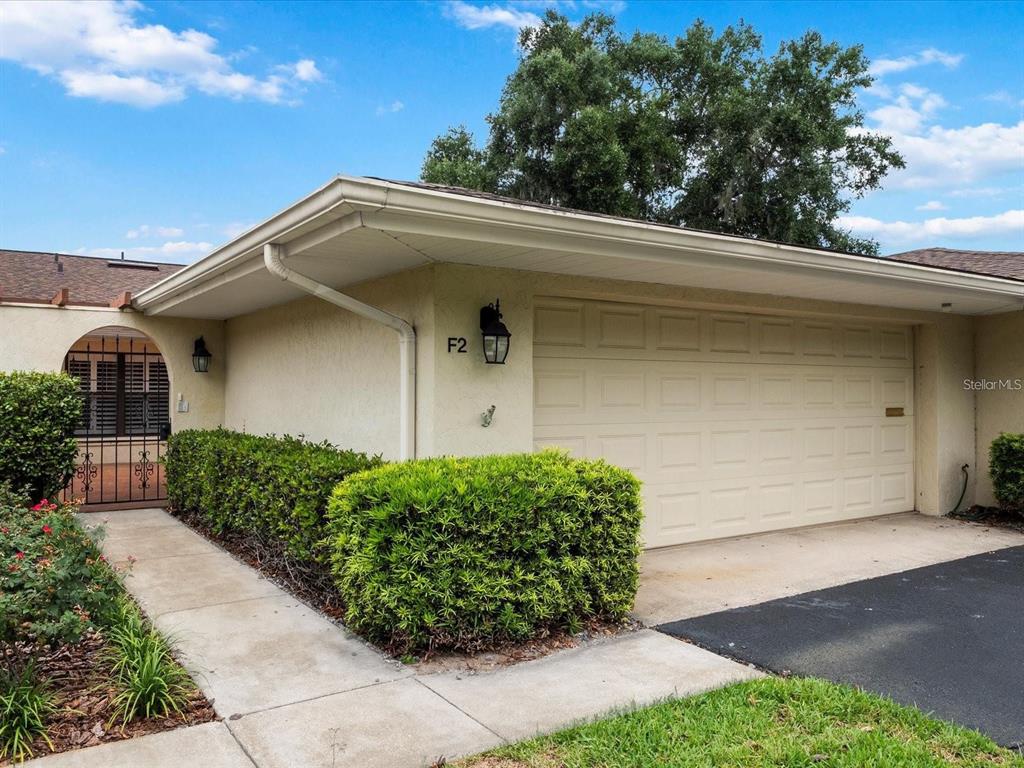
(1008, 264)
(32, 276)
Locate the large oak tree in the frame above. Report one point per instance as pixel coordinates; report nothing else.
(707, 131)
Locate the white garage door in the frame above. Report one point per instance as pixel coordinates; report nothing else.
(735, 423)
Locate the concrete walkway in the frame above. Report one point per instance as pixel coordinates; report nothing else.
(295, 689)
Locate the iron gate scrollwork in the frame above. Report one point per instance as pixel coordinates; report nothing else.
(125, 421)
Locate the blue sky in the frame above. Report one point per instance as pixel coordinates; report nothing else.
(164, 128)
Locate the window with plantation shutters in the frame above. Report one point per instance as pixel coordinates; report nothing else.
(81, 369)
(122, 393)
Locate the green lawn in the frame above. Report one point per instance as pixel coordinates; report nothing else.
(787, 723)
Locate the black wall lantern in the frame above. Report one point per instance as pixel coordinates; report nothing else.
(201, 356)
(496, 336)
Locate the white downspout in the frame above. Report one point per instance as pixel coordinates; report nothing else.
(272, 258)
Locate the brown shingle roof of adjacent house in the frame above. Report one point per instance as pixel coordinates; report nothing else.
(1007, 264)
(36, 277)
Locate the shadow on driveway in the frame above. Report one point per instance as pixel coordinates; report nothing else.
(947, 638)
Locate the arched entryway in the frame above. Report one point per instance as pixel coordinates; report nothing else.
(125, 389)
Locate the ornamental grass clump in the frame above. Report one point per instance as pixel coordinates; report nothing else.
(148, 680)
(462, 553)
(25, 705)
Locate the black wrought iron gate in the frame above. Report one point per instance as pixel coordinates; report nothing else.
(125, 421)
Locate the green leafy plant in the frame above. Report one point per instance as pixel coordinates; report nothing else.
(149, 682)
(55, 583)
(25, 705)
(463, 552)
(38, 416)
(1006, 466)
(273, 486)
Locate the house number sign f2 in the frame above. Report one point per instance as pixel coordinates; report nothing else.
(457, 344)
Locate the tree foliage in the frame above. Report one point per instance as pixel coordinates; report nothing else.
(707, 131)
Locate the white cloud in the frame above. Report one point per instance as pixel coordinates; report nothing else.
(394, 106)
(884, 66)
(100, 50)
(1004, 97)
(145, 230)
(910, 107)
(137, 91)
(937, 229)
(471, 16)
(939, 157)
(932, 205)
(976, 192)
(946, 157)
(176, 250)
(306, 71)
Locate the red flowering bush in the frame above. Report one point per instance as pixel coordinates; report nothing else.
(54, 582)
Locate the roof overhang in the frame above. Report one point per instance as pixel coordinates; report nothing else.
(354, 229)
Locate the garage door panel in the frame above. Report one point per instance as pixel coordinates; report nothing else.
(613, 390)
(676, 331)
(577, 328)
(682, 451)
(735, 424)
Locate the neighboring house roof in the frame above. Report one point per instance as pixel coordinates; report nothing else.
(1009, 264)
(35, 277)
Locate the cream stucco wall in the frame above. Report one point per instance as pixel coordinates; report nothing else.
(944, 357)
(36, 338)
(999, 343)
(311, 368)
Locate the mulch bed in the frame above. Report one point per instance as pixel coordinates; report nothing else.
(77, 676)
(993, 516)
(312, 584)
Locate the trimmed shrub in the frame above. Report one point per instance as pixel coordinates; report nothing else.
(1006, 466)
(38, 416)
(276, 487)
(54, 582)
(466, 552)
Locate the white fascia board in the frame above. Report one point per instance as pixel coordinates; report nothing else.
(277, 229)
(402, 208)
(580, 232)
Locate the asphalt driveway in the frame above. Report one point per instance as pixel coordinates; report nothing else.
(948, 638)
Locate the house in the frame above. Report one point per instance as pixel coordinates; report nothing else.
(751, 385)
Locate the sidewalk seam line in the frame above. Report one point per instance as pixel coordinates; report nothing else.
(241, 746)
(320, 696)
(211, 605)
(460, 709)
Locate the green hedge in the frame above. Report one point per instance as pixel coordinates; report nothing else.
(1006, 466)
(276, 487)
(464, 552)
(38, 416)
(54, 582)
